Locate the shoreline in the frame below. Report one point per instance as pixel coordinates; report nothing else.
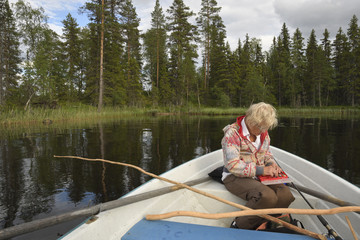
(90, 114)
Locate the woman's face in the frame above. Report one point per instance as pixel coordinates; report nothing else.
(257, 129)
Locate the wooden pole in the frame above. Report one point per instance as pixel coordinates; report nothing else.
(90, 211)
(251, 212)
(351, 228)
(268, 217)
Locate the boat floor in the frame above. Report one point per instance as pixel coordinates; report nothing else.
(154, 230)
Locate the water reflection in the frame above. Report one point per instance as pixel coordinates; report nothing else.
(34, 184)
(332, 144)
(146, 143)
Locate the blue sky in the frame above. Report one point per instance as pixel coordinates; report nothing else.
(262, 19)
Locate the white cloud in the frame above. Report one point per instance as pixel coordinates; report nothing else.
(317, 14)
(255, 18)
(56, 28)
(56, 10)
(261, 19)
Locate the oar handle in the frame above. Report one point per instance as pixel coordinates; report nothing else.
(323, 196)
(321, 218)
(35, 225)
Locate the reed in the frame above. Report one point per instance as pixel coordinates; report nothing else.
(74, 113)
(218, 111)
(84, 113)
(335, 111)
(284, 112)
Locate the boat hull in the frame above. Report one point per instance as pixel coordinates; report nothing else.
(113, 224)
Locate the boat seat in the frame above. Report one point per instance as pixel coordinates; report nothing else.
(167, 230)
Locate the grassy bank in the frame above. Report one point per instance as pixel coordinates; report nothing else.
(286, 112)
(67, 113)
(83, 113)
(335, 111)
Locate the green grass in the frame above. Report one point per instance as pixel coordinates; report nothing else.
(218, 111)
(17, 121)
(85, 113)
(335, 111)
(282, 111)
(67, 113)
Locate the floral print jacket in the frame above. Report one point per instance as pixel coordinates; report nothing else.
(241, 157)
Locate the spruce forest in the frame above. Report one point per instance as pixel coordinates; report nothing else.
(179, 61)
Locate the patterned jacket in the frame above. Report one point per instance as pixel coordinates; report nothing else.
(240, 156)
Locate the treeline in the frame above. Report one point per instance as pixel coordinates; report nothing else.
(159, 67)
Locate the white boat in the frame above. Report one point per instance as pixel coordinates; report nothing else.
(124, 222)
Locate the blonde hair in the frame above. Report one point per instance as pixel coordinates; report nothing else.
(261, 114)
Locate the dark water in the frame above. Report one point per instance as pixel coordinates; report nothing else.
(35, 185)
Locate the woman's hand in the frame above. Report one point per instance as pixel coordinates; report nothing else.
(272, 170)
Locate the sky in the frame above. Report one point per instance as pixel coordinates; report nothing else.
(262, 19)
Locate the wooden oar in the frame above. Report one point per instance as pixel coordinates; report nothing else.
(90, 211)
(323, 196)
(323, 221)
(321, 218)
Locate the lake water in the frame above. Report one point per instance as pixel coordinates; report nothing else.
(35, 185)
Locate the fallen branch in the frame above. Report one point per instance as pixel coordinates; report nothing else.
(252, 212)
(270, 218)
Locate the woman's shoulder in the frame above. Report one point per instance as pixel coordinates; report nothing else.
(231, 128)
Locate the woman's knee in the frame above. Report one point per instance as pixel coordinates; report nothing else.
(285, 197)
(268, 199)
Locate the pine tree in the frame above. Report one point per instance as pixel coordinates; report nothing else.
(101, 77)
(48, 71)
(182, 50)
(83, 61)
(219, 70)
(243, 55)
(354, 74)
(320, 74)
(273, 69)
(208, 20)
(328, 80)
(285, 69)
(255, 85)
(299, 63)
(114, 64)
(155, 55)
(342, 67)
(92, 37)
(132, 57)
(9, 56)
(72, 54)
(220, 79)
(311, 79)
(254, 90)
(234, 65)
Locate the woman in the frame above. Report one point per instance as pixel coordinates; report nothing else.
(246, 155)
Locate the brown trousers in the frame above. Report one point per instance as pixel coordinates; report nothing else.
(258, 196)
